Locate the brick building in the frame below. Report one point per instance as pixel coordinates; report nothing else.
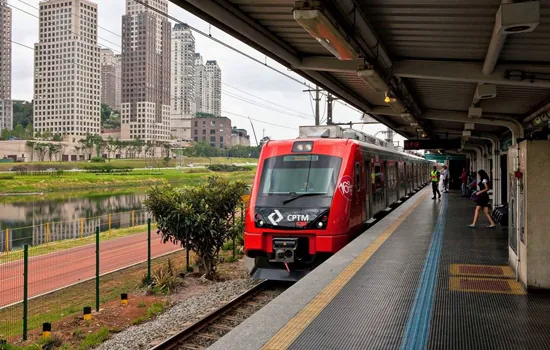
(214, 130)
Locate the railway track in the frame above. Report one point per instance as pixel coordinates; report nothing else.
(215, 325)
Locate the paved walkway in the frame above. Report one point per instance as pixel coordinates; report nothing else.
(49, 272)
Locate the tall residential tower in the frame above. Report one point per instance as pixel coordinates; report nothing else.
(67, 73)
(213, 102)
(146, 59)
(6, 108)
(183, 81)
(110, 82)
(200, 83)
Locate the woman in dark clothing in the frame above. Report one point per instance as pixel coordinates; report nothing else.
(482, 200)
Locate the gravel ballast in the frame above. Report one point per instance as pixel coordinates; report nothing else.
(174, 319)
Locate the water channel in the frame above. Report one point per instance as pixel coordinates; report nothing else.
(35, 221)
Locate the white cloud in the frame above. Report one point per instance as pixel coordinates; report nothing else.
(237, 71)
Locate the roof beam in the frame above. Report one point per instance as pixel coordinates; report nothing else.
(328, 64)
(488, 119)
(468, 72)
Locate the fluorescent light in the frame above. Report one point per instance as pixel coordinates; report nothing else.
(372, 79)
(321, 28)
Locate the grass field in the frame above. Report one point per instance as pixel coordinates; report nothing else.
(133, 163)
(134, 181)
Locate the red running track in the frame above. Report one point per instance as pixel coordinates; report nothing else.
(56, 270)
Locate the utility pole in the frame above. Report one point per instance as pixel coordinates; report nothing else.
(330, 99)
(317, 99)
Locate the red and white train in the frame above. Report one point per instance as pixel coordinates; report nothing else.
(312, 196)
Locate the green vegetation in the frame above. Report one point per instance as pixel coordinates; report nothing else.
(136, 180)
(69, 301)
(228, 168)
(110, 119)
(94, 339)
(204, 149)
(127, 163)
(200, 217)
(152, 311)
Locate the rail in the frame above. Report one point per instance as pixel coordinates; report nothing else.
(219, 322)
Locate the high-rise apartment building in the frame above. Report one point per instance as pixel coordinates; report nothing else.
(6, 107)
(109, 77)
(183, 81)
(118, 82)
(213, 102)
(67, 81)
(146, 60)
(200, 83)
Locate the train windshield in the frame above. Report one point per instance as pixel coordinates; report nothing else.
(292, 175)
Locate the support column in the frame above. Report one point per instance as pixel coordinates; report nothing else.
(532, 209)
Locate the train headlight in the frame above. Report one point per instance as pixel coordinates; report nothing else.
(302, 146)
(320, 224)
(260, 223)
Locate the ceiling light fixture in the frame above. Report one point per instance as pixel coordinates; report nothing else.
(311, 16)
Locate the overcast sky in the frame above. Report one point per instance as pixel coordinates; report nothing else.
(237, 72)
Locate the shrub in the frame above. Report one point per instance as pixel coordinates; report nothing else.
(227, 168)
(198, 217)
(97, 160)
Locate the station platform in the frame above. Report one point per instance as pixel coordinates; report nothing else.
(419, 278)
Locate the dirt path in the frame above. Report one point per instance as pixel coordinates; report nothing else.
(62, 268)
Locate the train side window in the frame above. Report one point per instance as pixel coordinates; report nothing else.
(358, 176)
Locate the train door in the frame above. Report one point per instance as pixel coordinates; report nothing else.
(369, 189)
(393, 193)
(378, 189)
(386, 185)
(400, 179)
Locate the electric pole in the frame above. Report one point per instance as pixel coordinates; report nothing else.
(317, 99)
(330, 99)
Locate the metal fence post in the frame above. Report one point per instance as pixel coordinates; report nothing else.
(110, 220)
(148, 251)
(97, 268)
(25, 289)
(7, 241)
(81, 227)
(47, 233)
(133, 218)
(234, 235)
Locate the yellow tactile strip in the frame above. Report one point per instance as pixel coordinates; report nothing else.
(296, 326)
(486, 285)
(481, 271)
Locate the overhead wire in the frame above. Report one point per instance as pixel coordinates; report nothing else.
(232, 95)
(209, 36)
(156, 90)
(204, 34)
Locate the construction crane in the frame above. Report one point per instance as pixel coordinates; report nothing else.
(254, 131)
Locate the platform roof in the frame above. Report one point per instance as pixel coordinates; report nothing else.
(430, 53)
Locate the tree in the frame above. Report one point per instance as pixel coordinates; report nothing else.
(111, 146)
(41, 148)
(53, 150)
(22, 113)
(197, 217)
(57, 137)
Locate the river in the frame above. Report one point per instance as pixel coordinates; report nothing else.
(34, 222)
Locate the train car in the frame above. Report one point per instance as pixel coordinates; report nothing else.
(312, 196)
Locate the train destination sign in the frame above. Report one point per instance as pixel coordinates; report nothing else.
(432, 144)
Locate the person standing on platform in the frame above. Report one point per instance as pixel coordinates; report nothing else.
(445, 178)
(482, 199)
(434, 178)
(464, 180)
